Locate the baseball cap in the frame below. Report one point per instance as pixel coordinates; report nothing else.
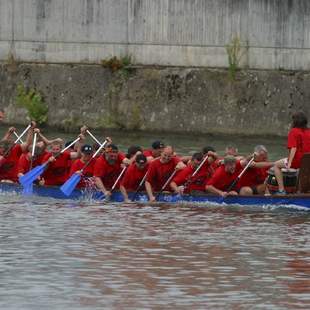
(141, 159)
(157, 145)
(87, 149)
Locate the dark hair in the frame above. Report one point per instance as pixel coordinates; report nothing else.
(132, 150)
(299, 120)
(198, 156)
(208, 148)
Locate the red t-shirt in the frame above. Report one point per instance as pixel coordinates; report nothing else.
(148, 153)
(87, 172)
(24, 162)
(57, 171)
(9, 164)
(195, 183)
(253, 177)
(222, 179)
(133, 177)
(108, 173)
(159, 173)
(299, 138)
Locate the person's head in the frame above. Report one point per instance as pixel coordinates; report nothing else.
(207, 149)
(157, 148)
(56, 147)
(5, 147)
(299, 120)
(141, 161)
(261, 153)
(87, 151)
(230, 164)
(196, 159)
(166, 154)
(133, 150)
(231, 150)
(111, 153)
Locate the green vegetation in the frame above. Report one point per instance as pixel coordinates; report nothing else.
(33, 102)
(235, 52)
(121, 64)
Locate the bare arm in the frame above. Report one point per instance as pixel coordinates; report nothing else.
(149, 191)
(291, 156)
(124, 193)
(101, 187)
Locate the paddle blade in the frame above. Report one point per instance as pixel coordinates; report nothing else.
(28, 190)
(31, 175)
(68, 187)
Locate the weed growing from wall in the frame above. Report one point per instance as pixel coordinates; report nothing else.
(235, 52)
(33, 102)
(121, 64)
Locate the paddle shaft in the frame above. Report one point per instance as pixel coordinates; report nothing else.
(195, 172)
(94, 138)
(167, 182)
(17, 136)
(118, 178)
(139, 186)
(232, 185)
(33, 149)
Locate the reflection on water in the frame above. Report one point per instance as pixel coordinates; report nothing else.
(57, 255)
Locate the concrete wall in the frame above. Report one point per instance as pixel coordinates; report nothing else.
(163, 32)
(162, 99)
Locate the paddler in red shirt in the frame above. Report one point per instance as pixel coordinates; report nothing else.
(79, 163)
(57, 169)
(10, 154)
(184, 182)
(224, 176)
(298, 143)
(134, 175)
(253, 180)
(157, 148)
(160, 170)
(107, 169)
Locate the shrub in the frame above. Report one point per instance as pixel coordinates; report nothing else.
(33, 102)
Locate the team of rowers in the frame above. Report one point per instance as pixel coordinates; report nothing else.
(154, 170)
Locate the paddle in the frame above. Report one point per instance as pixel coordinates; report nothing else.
(139, 187)
(189, 181)
(27, 190)
(17, 136)
(107, 198)
(33, 174)
(68, 187)
(167, 182)
(232, 185)
(94, 138)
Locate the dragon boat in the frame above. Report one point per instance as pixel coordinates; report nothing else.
(299, 200)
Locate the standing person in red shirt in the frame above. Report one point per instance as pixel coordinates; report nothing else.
(298, 143)
(224, 176)
(134, 175)
(107, 169)
(184, 182)
(157, 148)
(10, 154)
(79, 163)
(57, 169)
(160, 170)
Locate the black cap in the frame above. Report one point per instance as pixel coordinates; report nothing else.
(157, 145)
(87, 149)
(111, 148)
(141, 159)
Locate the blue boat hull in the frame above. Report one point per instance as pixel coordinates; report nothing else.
(55, 192)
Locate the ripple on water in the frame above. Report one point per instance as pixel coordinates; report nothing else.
(57, 255)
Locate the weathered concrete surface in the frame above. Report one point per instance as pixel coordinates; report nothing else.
(168, 99)
(188, 33)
